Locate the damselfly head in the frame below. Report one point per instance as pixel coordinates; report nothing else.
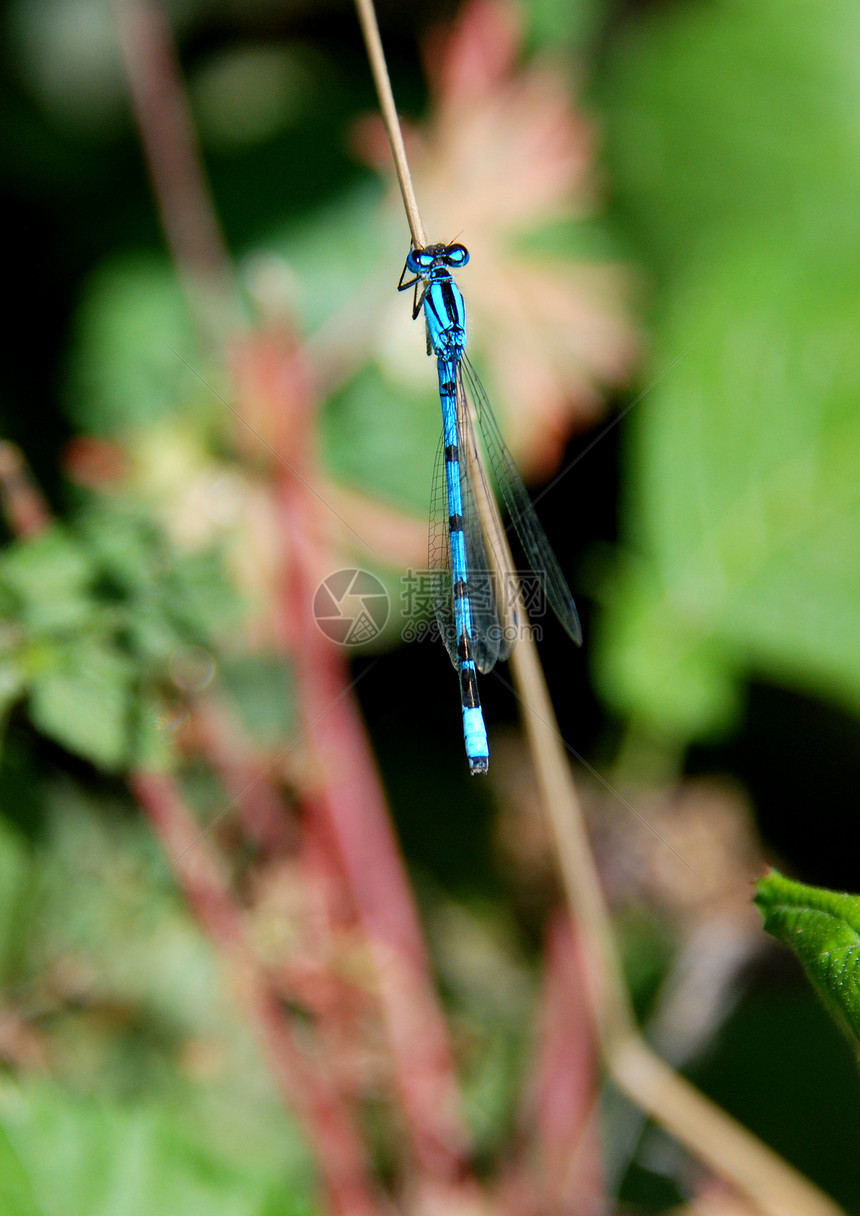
(433, 257)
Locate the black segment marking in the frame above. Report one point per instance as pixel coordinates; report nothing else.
(469, 688)
(452, 453)
(455, 523)
(429, 303)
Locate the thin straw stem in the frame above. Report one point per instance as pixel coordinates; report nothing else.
(376, 55)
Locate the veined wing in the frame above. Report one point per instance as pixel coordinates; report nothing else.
(529, 529)
(486, 627)
(439, 555)
(500, 620)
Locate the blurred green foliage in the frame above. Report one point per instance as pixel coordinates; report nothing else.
(156, 1098)
(131, 332)
(93, 615)
(735, 151)
(61, 1156)
(781, 1067)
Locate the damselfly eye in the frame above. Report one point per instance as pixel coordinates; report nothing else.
(419, 259)
(457, 255)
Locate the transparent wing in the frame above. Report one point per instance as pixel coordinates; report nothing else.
(486, 626)
(528, 527)
(439, 556)
(489, 615)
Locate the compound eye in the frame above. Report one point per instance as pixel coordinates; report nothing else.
(419, 259)
(457, 255)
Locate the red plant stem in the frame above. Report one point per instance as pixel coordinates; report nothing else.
(350, 799)
(347, 795)
(554, 1166)
(335, 1001)
(567, 1083)
(172, 154)
(260, 809)
(329, 1131)
(24, 505)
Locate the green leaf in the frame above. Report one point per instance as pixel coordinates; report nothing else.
(200, 597)
(262, 688)
(83, 700)
(16, 1191)
(50, 575)
(13, 681)
(125, 545)
(334, 253)
(744, 503)
(15, 879)
(132, 335)
(823, 928)
(381, 439)
(152, 733)
(60, 1157)
(668, 672)
(555, 25)
(705, 139)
